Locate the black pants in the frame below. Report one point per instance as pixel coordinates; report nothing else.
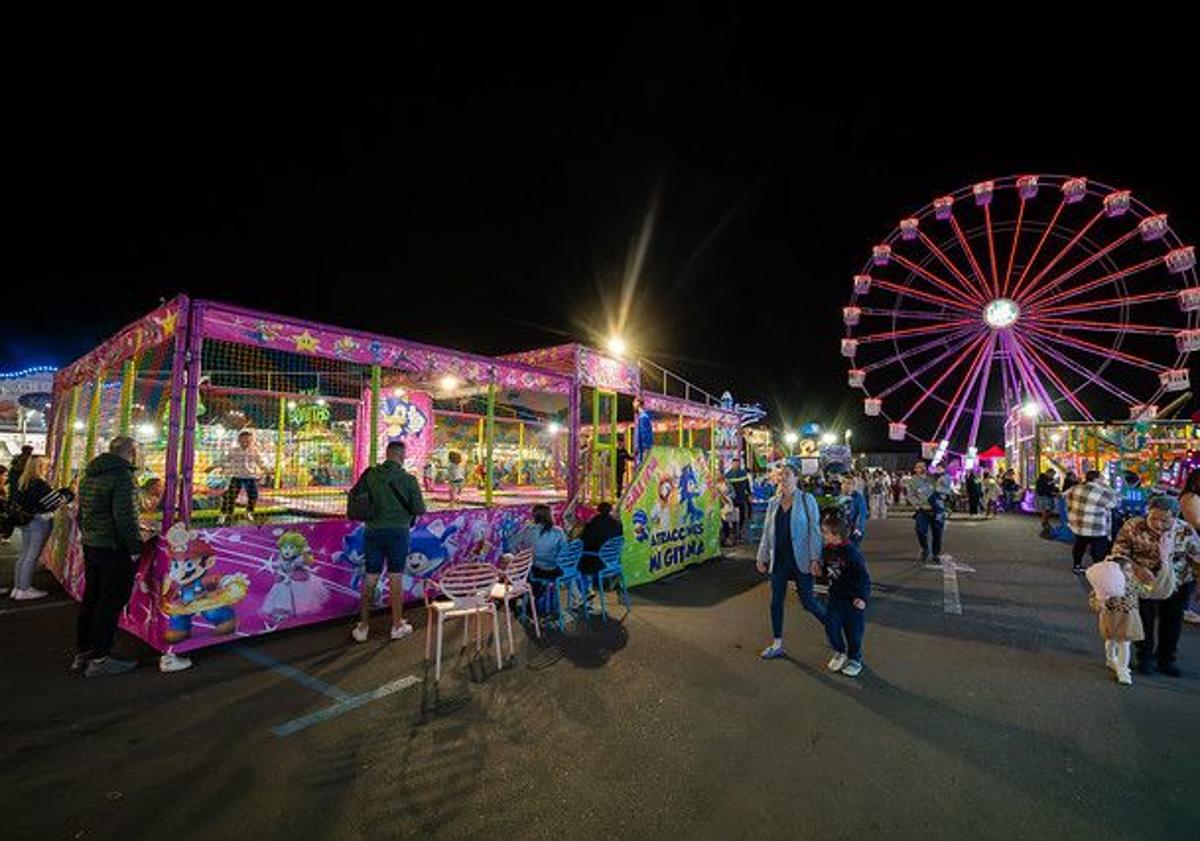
(972, 504)
(108, 581)
(744, 511)
(1098, 545)
(1169, 614)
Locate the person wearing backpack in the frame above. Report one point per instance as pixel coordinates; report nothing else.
(387, 498)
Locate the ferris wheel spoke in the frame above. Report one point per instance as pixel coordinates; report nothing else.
(908, 332)
(915, 315)
(1074, 270)
(1012, 254)
(968, 298)
(1100, 281)
(1107, 303)
(1062, 252)
(966, 247)
(1089, 375)
(971, 295)
(982, 392)
(1102, 326)
(987, 215)
(1038, 250)
(982, 358)
(1040, 364)
(927, 297)
(951, 368)
(1098, 350)
(963, 333)
(957, 347)
(1033, 383)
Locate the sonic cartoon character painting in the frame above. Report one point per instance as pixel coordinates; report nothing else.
(689, 489)
(191, 588)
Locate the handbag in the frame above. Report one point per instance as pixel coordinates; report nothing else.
(1164, 584)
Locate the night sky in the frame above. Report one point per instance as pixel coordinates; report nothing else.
(497, 202)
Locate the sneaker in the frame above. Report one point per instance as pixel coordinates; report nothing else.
(1077, 570)
(106, 666)
(1124, 677)
(81, 661)
(361, 632)
(1169, 669)
(222, 520)
(836, 663)
(250, 516)
(29, 594)
(172, 662)
(853, 668)
(1191, 617)
(772, 652)
(399, 632)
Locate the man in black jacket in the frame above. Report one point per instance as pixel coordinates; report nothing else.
(596, 532)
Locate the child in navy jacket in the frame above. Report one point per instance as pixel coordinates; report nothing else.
(849, 590)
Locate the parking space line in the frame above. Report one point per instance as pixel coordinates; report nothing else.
(351, 702)
(293, 674)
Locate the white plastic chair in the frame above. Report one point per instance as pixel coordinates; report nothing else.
(513, 584)
(465, 591)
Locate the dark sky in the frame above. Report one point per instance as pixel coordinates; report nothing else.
(494, 202)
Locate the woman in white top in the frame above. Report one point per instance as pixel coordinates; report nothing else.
(1189, 510)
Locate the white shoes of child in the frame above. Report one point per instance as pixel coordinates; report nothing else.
(172, 662)
(1116, 657)
(853, 668)
(27, 594)
(837, 662)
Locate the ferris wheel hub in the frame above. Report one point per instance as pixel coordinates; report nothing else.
(1001, 313)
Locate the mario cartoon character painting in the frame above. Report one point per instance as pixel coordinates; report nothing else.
(192, 589)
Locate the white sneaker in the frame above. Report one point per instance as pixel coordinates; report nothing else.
(401, 631)
(29, 594)
(250, 516)
(361, 632)
(1191, 617)
(221, 520)
(853, 668)
(172, 662)
(1124, 677)
(836, 663)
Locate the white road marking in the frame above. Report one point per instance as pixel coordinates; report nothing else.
(951, 602)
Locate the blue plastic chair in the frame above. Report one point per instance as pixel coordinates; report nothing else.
(567, 562)
(611, 570)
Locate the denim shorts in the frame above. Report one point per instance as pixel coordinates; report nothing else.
(385, 545)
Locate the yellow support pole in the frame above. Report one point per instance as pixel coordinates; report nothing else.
(280, 431)
(94, 415)
(681, 430)
(491, 441)
(373, 447)
(68, 448)
(128, 379)
(520, 450)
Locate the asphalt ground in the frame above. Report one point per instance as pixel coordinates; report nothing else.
(997, 722)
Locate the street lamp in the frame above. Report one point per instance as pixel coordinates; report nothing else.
(828, 438)
(1031, 409)
(617, 346)
(790, 438)
(847, 435)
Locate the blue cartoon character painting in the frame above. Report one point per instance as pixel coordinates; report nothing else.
(430, 547)
(641, 526)
(354, 555)
(690, 487)
(296, 590)
(192, 589)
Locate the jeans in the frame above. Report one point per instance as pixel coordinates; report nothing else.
(33, 540)
(386, 545)
(108, 581)
(229, 500)
(1169, 615)
(844, 626)
(781, 574)
(1099, 546)
(926, 522)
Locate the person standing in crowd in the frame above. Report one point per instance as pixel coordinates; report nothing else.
(6, 523)
(897, 486)
(1089, 514)
(927, 495)
(1165, 552)
(1010, 488)
(849, 590)
(456, 474)
(1189, 509)
(397, 502)
(112, 548)
(739, 488)
(624, 458)
(1114, 597)
(38, 501)
(879, 489)
(974, 493)
(643, 430)
(1046, 493)
(790, 551)
(17, 468)
(991, 494)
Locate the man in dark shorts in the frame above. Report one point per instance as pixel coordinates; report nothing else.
(397, 501)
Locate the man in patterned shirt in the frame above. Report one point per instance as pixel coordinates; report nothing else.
(1089, 514)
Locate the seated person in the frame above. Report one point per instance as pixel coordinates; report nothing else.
(595, 534)
(546, 540)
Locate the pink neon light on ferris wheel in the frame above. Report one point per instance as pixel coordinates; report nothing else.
(1081, 297)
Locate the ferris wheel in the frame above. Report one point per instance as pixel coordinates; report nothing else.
(1064, 296)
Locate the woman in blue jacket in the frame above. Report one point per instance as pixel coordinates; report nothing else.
(790, 550)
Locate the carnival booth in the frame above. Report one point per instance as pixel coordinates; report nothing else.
(198, 383)
(1159, 452)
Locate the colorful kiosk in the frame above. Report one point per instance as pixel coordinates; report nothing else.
(189, 379)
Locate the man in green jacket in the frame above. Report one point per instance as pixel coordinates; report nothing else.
(396, 498)
(112, 547)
